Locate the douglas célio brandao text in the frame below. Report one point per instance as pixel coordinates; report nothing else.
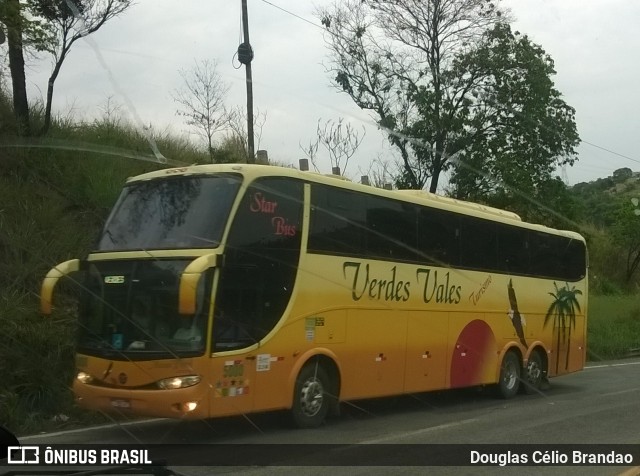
(550, 457)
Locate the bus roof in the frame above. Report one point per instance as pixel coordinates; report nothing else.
(419, 197)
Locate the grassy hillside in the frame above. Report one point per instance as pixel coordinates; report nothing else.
(55, 194)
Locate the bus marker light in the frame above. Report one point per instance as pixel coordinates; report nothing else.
(189, 406)
(185, 407)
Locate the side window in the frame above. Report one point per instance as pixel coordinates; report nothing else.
(513, 249)
(478, 243)
(576, 260)
(544, 255)
(391, 231)
(269, 216)
(261, 262)
(557, 257)
(338, 221)
(438, 237)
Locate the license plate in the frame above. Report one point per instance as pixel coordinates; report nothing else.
(121, 403)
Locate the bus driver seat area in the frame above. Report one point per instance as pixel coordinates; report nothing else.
(188, 331)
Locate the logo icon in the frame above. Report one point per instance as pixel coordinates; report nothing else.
(24, 455)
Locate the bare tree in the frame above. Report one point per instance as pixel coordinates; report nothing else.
(238, 128)
(68, 21)
(201, 101)
(111, 118)
(380, 172)
(311, 152)
(340, 140)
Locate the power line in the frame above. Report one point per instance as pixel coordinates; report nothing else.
(611, 151)
(293, 14)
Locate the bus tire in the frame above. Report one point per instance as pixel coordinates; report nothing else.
(510, 375)
(534, 374)
(311, 398)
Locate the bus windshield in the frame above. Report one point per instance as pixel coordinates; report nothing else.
(128, 311)
(175, 213)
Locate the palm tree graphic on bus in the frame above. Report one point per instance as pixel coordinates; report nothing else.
(562, 312)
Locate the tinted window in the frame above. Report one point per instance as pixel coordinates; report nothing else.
(261, 262)
(391, 229)
(478, 243)
(575, 258)
(513, 249)
(438, 238)
(557, 257)
(360, 225)
(338, 221)
(181, 212)
(269, 216)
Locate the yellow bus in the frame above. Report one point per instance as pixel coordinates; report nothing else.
(228, 289)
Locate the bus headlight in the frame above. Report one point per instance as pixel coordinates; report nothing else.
(178, 382)
(84, 377)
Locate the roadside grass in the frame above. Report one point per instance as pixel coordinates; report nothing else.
(613, 326)
(36, 364)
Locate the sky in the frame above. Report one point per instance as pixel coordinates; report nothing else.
(136, 60)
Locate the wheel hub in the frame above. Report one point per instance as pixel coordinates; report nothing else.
(534, 372)
(311, 397)
(510, 375)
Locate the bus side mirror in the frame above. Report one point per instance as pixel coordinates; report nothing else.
(189, 282)
(50, 281)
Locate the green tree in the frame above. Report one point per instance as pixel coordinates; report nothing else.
(11, 17)
(549, 202)
(562, 312)
(68, 21)
(515, 128)
(620, 175)
(451, 84)
(23, 32)
(626, 234)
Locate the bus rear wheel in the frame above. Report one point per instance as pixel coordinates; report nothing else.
(510, 375)
(535, 374)
(311, 398)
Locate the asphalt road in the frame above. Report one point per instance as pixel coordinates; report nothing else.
(600, 405)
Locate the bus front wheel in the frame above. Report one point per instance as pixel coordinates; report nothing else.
(311, 396)
(510, 375)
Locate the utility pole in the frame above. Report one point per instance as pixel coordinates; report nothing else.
(245, 55)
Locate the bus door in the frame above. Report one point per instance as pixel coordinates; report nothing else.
(257, 276)
(233, 384)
